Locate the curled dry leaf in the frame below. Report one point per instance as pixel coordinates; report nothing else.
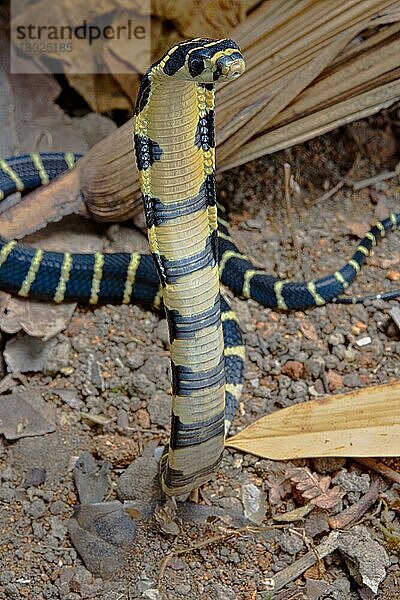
(315, 487)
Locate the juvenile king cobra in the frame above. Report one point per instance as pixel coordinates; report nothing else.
(174, 146)
(174, 142)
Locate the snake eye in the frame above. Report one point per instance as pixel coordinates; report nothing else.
(196, 65)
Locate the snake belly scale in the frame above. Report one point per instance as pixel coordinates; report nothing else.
(174, 144)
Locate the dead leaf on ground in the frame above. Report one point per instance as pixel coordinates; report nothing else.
(28, 111)
(315, 488)
(364, 422)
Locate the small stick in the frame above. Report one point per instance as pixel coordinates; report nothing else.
(358, 185)
(288, 204)
(327, 194)
(208, 542)
(303, 563)
(380, 468)
(356, 510)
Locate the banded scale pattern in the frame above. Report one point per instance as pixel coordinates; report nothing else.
(28, 171)
(132, 277)
(244, 279)
(174, 144)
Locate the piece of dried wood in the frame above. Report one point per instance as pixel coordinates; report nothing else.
(379, 467)
(354, 512)
(326, 547)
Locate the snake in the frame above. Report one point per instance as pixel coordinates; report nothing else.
(191, 249)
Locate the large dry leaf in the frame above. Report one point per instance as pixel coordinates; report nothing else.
(360, 423)
(29, 118)
(86, 67)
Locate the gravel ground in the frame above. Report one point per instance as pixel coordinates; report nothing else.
(109, 384)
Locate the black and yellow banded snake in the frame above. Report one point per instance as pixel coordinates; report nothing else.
(175, 155)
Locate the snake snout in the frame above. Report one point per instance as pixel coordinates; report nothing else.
(230, 67)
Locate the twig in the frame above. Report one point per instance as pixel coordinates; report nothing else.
(288, 205)
(356, 510)
(212, 540)
(380, 468)
(358, 185)
(297, 568)
(327, 194)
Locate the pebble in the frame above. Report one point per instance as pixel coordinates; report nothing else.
(37, 509)
(290, 543)
(59, 507)
(159, 407)
(11, 591)
(34, 477)
(139, 481)
(140, 385)
(7, 494)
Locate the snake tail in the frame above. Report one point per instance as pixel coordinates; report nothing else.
(175, 148)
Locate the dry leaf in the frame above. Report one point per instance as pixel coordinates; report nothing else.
(315, 487)
(29, 118)
(201, 18)
(359, 423)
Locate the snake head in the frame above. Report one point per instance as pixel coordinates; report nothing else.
(202, 60)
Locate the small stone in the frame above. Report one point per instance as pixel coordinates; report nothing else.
(366, 559)
(7, 474)
(140, 480)
(290, 543)
(143, 418)
(365, 341)
(335, 339)
(59, 507)
(135, 360)
(117, 449)
(140, 386)
(352, 380)
(161, 332)
(7, 494)
(334, 380)
(217, 591)
(355, 485)
(37, 509)
(294, 369)
(6, 577)
(12, 591)
(159, 407)
(34, 477)
(122, 419)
